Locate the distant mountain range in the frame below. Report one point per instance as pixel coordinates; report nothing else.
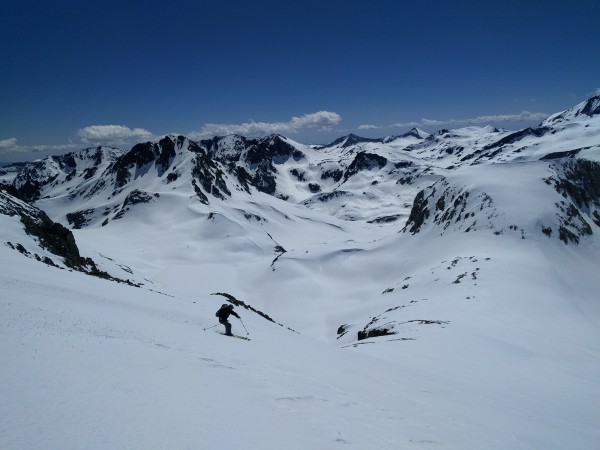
(353, 178)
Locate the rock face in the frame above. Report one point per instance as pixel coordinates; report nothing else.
(254, 161)
(578, 182)
(51, 236)
(73, 168)
(583, 111)
(570, 217)
(446, 206)
(142, 157)
(592, 106)
(365, 161)
(351, 140)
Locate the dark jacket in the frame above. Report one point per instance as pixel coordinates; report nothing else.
(224, 312)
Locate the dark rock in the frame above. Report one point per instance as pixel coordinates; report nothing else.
(244, 178)
(349, 140)
(166, 155)
(314, 188)
(592, 106)
(331, 195)
(559, 155)
(89, 172)
(272, 148)
(385, 219)
(139, 156)
(365, 161)
(210, 176)
(403, 164)
(517, 136)
(418, 214)
(78, 219)
(336, 174)
(375, 332)
(299, 175)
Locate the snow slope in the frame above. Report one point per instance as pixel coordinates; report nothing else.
(89, 363)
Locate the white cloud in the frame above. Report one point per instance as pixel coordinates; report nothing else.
(92, 135)
(53, 148)
(9, 146)
(480, 120)
(106, 134)
(245, 129)
(433, 122)
(406, 125)
(368, 127)
(323, 120)
(524, 115)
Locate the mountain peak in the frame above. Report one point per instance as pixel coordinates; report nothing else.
(583, 110)
(349, 140)
(416, 133)
(592, 106)
(412, 133)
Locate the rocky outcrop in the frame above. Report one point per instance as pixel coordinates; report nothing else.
(139, 159)
(578, 182)
(365, 161)
(50, 235)
(350, 140)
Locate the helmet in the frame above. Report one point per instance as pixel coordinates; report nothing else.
(225, 305)
(230, 306)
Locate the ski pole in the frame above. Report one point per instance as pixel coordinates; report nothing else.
(244, 326)
(210, 327)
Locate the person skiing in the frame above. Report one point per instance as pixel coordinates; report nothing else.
(223, 314)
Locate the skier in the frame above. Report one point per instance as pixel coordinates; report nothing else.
(223, 314)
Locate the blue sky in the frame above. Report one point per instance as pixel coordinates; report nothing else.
(81, 73)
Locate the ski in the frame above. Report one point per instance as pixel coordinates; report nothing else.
(241, 337)
(235, 336)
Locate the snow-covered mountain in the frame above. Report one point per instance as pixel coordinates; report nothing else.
(432, 289)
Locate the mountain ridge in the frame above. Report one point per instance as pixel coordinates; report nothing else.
(339, 179)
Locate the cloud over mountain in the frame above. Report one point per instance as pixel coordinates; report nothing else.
(12, 145)
(480, 120)
(8, 145)
(106, 134)
(323, 120)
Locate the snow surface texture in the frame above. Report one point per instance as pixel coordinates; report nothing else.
(425, 291)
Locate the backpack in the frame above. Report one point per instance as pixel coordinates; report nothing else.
(222, 311)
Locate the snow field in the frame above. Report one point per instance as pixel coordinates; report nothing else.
(94, 364)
